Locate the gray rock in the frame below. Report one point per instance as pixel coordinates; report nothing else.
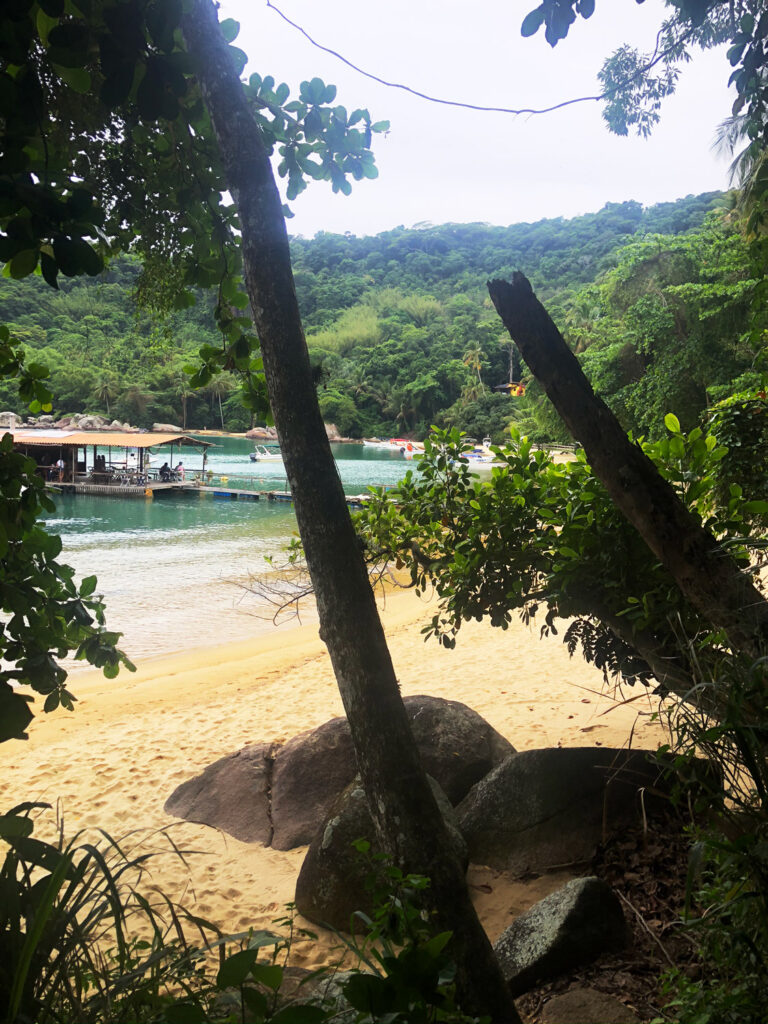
(166, 428)
(231, 794)
(543, 809)
(584, 1005)
(334, 880)
(457, 748)
(9, 419)
(262, 434)
(566, 929)
(91, 422)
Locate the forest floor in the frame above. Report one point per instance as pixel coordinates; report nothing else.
(648, 870)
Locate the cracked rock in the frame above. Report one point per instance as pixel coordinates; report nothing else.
(232, 794)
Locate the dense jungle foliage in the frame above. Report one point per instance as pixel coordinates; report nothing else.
(402, 333)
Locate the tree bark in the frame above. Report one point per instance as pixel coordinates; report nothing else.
(705, 573)
(406, 816)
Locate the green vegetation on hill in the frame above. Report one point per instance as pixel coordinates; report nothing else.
(402, 333)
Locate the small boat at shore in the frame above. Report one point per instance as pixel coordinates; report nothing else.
(263, 454)
(407, 448)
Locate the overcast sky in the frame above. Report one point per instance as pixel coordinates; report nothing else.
(441, 164)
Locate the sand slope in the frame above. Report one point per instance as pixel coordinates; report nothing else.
(113, 762)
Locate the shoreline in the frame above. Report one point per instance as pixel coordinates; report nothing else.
(114, 761)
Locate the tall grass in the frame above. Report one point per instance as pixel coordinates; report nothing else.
(79, 940)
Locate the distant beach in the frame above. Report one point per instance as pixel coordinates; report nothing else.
(114, 761)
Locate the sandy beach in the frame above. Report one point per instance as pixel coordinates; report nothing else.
(114, 761)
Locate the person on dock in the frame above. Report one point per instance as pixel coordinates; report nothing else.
(179, 471)
(60, 468)
(165, 473)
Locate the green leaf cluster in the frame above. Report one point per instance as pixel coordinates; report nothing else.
(107, 146)
(543, 537)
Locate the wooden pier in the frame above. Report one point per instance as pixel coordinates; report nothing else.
(147, 490)
(239, 494)
(153, 487)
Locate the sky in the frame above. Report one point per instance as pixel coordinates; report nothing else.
(441, 164)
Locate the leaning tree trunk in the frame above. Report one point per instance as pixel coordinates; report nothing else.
(401, 801)
(704, 572)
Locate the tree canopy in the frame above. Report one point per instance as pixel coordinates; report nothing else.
(390, 320)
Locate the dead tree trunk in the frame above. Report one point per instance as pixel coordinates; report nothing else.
(705, 573)
(401, 801)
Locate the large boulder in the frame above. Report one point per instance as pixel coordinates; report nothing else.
(335, 878)
(231, 794)
(566, 929)
(261, 434)
(542, 809)
(457, 746)
(9, 419)
(166, 428)
(92, 423)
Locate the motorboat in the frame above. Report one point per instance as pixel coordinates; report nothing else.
(263, 454)
(409, 449)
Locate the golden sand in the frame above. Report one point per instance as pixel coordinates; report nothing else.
(114, 761)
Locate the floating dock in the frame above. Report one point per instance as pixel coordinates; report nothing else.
(149, 490)
(238, 494)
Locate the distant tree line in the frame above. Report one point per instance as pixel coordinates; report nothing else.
(402, 335)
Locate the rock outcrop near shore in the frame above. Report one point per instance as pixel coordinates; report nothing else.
(305, 776)
(335, 879)
(550, 808)
(75, 421)
(457, 746)
(232, 794)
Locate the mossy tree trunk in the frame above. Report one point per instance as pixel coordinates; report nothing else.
(407, 818)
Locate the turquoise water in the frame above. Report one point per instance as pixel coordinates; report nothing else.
(175, 571)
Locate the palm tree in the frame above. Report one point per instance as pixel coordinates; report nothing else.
(749, 168)
(184, 393)
(473, 358)
(220, 386)
(107, 388)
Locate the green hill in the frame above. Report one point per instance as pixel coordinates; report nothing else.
(402, 333)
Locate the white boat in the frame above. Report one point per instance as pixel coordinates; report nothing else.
(263, 454)
(402, 445)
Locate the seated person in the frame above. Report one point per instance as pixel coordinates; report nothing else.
(165, 473)
(179, 471)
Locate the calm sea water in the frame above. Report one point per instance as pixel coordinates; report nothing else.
(175, 571)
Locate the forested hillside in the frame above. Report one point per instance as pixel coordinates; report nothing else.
(402, 333)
